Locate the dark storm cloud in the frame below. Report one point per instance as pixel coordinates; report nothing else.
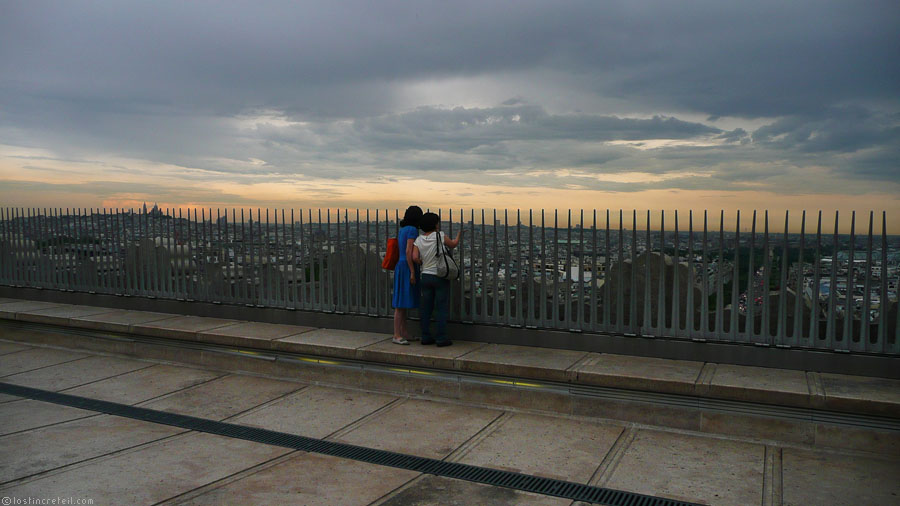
(720, 58)
(838, 129)
(461, 129)
(167, 82)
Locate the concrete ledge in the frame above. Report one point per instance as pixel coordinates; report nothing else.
(676, 349)
(791, 388)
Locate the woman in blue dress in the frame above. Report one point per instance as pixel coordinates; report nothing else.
(406, 291)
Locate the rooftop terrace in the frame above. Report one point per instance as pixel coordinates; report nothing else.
(698, 432)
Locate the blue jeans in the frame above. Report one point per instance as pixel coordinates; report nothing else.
(435, 297)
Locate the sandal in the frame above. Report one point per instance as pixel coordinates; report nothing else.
(399, 340)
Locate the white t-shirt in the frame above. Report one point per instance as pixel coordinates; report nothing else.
(427, 245)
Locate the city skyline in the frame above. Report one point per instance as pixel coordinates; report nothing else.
(571, 105)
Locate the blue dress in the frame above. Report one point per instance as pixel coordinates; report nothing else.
(406, 295)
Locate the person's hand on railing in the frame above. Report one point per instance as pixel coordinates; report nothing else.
(452, 243)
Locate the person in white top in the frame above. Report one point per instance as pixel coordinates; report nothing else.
(434, 290)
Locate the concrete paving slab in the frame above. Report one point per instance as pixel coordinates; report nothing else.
(76, 372)
(545, 446)
(760, 384)
(521, 361)
(117, 321)
(758, 427)
(59, 445)
(152, 473)
(8, 347)
(826, 478)
(60, 315)
(637, 373)
(315, 411)
(144, 384)
(181, 327)
(416, 354)
(885, 442)
(419, 427)
(7, 398)
(5, 300)
(35, 358)
(691, 468)
(253, 334)
(310, 479)
(9, 311)
(224, 397)
(328, 342)
(859, 394)
(30, 414)
(440, 491)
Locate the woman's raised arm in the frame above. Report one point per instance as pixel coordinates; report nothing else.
(452, 243)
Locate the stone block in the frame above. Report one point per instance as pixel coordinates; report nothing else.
(117, 321)
(637, 373)
(416, 354)
(639, 412)
(760, 384)
(520, 361)
(328, 342)
(180, 327)
(250, 334)
(60, 315)
(861, 394)
(758, 427)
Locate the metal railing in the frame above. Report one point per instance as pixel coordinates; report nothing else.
(825, 290)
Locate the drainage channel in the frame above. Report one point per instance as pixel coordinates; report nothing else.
(485, 475)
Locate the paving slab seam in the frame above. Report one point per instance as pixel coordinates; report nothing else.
(49, 424)
(611, 460)
(368, 417)
(93, 460)
(149, 365)
(15, 351)
(221, 482)
(268, 403)
(90, 460)
(46, 366)
(704, 379)
(457, 454)
(389, 495)
(403, 486)
(773, 484)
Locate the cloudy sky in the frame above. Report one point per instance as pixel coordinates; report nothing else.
(648, 105)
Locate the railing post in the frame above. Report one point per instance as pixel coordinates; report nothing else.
(689, 310)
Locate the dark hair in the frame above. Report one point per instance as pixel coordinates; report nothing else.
(411, 217)
(429, 222)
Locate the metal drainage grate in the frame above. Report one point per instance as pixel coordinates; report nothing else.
(487, 476)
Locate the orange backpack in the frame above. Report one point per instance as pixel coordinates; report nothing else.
(391, 255)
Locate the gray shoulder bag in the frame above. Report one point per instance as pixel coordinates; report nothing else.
(446, 265)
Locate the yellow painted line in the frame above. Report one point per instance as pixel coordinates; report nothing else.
(245, 352)
(517, 383)
(318, 361)
(426, 373)
(397, 370)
